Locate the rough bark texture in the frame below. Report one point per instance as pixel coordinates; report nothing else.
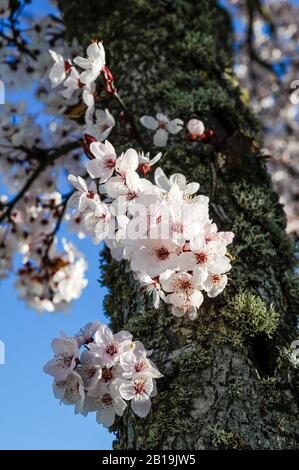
(227, 381)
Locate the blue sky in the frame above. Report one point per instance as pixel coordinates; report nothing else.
(30, 416)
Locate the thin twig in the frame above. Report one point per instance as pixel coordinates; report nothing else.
(48, 159)
(253, 6)
(130, 119)
(51, 236)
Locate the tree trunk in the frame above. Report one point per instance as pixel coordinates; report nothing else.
(227, 380)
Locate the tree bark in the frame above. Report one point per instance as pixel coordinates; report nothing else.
(227, 380)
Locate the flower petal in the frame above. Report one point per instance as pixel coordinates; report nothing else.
(141, 405)
(149, 122)
(160, 138)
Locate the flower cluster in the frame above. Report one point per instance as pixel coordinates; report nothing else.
(54, 284)
(161, 228)
(65, 72)
(111, 370)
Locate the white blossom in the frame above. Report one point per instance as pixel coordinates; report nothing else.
(85, 335)
(94, 63)
(70, 390)
(136, 363)
(145, 162)
(91, 369)
(162, 228)
(107, 403)
(214, 284)
(154, 257)
(182, 289)
(84, 196)
(109, 346)
(178, 179)
(162, 127)
(99, 124)
(138, 391)
(103, 165)
(60, 69)
(65, 359)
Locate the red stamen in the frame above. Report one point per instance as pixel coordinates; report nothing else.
(111, 349)
(162, 253)
(145, 168)
(201, 257)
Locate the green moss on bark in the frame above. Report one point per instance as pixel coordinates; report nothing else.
(248, 316)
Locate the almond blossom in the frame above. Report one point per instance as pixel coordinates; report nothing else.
(84, 196)
(136, 362)
(91, 369)
(99, 223)
(182, 290)
(94, 63)
(155, 257)
(54, 284)
(214, 284)
(85, 335)
(145, 162)
(65, 359)
(109, 346)
(107, 403)
(205, 257)
(72, 83)
(70, 390)
(99, 124)
(152, 287)
(127, 163)
(162, 127)
(128, 188)
(177, 179)
(103, 165)
(60, 69)
(162, 229)
(139, 391)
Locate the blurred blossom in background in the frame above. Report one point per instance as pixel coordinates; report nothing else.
(267, 64)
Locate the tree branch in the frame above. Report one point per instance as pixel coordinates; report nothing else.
(50, 158)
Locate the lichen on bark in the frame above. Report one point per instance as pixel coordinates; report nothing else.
(227, 381)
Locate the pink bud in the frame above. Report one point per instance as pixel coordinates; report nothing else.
(195, 127)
